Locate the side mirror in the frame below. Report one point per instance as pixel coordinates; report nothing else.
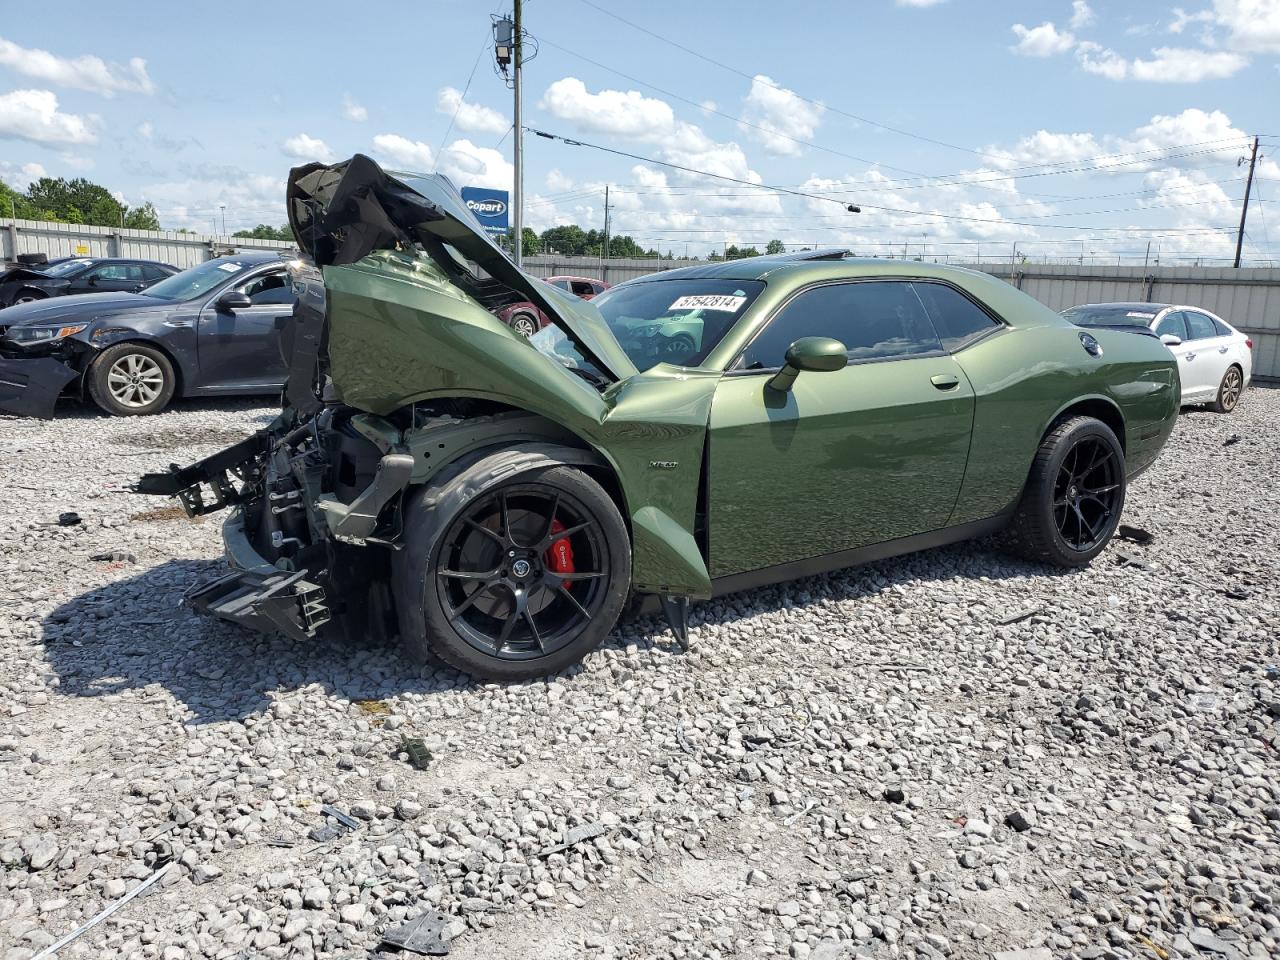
(92, 281)
(815, 354)
(234, 300)
(1170, 339)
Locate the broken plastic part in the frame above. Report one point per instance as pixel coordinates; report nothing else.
(676, 610)
(423, 934)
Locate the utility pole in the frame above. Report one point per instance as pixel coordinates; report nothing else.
(606, 221)
(518, 186)
(1248, 187)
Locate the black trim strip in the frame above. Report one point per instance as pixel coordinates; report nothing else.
(859, 555)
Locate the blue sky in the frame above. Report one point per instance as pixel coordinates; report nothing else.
(959, 126)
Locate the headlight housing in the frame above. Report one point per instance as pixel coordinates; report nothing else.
(45, 333)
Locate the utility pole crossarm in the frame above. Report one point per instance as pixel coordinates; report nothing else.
(1244, 209)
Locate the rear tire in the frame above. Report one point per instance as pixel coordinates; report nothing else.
(1228, 391)
(29, 296)
(525, 324)
(1075, 493)
(475, 585)
(131, 380)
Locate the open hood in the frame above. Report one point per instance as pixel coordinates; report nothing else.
(341, 212)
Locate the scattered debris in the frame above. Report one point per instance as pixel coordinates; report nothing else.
(424, 934)
(681, 739)
(1135, 535)
(146, 884)
(1020, 615)
(347, 821)
(800, 813)
(278, 842)
(574, 836)
(419, 755)
(1128, 559)
(374, 708)
(1232, 440)
(115, 556)
(68, 519)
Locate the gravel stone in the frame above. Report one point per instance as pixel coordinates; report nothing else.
(867, 764)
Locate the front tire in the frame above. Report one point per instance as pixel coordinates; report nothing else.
(1074, 496)
(131, 379)
(481, 589)
(29, 296)
(1228, 391)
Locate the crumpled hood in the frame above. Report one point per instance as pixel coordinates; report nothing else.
(342, 212)
(30, 276)
(81, 306)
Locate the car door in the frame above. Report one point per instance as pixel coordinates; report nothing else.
(240, 347)
(1203, 358)
(1174, 323)
(871, 452)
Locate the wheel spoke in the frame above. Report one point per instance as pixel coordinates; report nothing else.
(469, 574)
(533, 628)
(551, 518)
(566, 532)
(485, 530)
(579, 575)
(505, 514)
(471, 598)
(563, 591)
(508, 627)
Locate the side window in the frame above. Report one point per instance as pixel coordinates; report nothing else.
(957, 319)
(876, 320)
(562, 284)
(1222, 329)
(1173, 323)
(598, 288)
(110, 271)
(581, 288)
(268, 288)
(1199, 326)
(133, 271)
(152, 272)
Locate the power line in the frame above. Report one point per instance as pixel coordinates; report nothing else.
(461, 100)
(826, 199)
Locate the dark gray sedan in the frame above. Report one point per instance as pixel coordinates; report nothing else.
(213, 330)
(73, 275)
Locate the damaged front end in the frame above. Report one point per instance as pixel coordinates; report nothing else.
(398, 372)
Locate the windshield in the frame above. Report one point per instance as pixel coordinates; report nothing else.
(64, 268)
(1111, 315)
(190, 284)
(661, 321)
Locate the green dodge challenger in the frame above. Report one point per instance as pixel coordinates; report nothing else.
(495, 500)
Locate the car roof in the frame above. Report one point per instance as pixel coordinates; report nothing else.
(253, 256)
(816, 265)
(1127, 305)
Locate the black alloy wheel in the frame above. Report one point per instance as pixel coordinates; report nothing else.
(1087, 493)
(1075, 491)
(499, 581)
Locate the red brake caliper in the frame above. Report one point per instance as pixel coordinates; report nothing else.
(559, 557)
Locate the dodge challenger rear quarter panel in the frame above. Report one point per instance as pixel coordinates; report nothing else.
(493, 498)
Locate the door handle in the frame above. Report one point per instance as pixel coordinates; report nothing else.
(1191, 356)
(945, 381)
(1222, 349)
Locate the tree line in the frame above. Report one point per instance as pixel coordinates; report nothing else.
(572, 241)
(58, 200)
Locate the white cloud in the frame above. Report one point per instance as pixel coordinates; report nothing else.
(470, 116)
(33, 115)
(623, 113)
(780, 117)
(351, 110)
(918, 3)
(303, 147)
(1252, 25)
(1167, 64)
(468, 165)
(411, 155)
(20, 177)
(83, 73)
(1096, 59)
(1045, 40)
(145, 130)
(1082, 14)
(193, 202)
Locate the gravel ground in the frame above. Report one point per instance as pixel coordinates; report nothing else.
(864, 764)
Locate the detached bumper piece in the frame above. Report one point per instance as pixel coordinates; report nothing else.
(219, 473)
(31, 387)
(281, 601)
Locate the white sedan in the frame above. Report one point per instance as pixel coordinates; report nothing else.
(1215, 359)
